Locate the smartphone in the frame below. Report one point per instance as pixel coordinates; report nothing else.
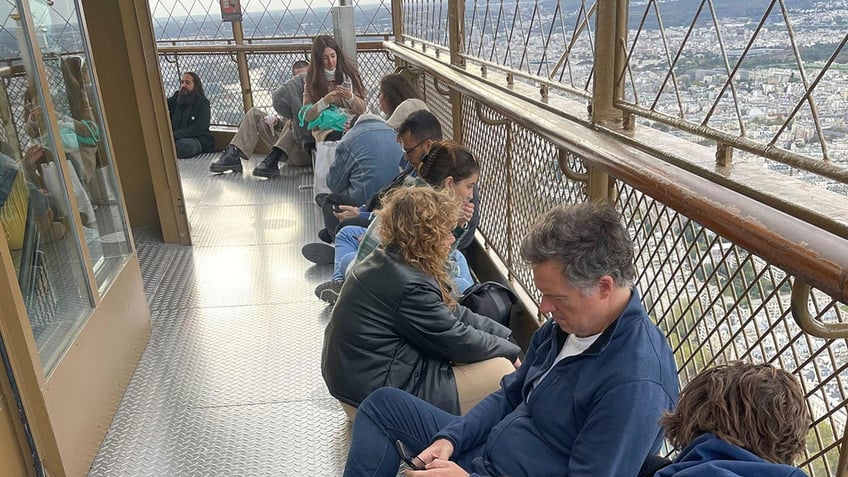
(408, 457)
(347, 83)
(337, 208)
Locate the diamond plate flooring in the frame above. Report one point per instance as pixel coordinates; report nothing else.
(230, 383)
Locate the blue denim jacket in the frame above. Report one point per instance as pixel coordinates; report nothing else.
(366, 160)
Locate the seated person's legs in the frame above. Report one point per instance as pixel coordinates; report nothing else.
(347, 241)
(294, 154)
(385, 416)
(188, 147)
(250, 130)
(475, 381)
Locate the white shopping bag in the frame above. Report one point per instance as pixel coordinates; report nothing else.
(325, 155)
(53, 182)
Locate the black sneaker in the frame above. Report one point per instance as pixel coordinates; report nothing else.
(270, 165)
(329, 291)
(230, 160)
(325, 236)
(320, 253)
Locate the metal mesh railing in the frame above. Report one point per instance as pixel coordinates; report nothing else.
(715, 300)
(768, 80)
(718, 302)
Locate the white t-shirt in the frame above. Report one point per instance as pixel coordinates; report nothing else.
(573, 346)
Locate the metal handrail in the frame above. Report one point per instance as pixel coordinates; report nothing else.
(802, 249)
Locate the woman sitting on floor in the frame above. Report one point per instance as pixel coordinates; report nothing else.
(396, 323)
(448, 165)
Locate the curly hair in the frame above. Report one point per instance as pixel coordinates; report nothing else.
(396, 89)
(587, 240)
(315, 83)
(447, 159)
(415, 221)
(753, 406)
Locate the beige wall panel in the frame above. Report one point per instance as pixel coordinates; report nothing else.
(12, 461)
(84, 391)
(111, 59)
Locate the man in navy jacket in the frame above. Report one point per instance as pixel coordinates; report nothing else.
(587, 399)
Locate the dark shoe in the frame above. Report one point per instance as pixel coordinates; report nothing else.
(269, 167)
(329, 291)
(325, 236)
(319, 253)
(230, 160)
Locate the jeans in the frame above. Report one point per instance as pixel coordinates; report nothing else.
(347, 241)
(188, 147)
(387, 415)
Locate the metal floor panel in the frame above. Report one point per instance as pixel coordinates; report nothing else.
(230, 383)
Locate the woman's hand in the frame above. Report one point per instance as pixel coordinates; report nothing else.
(348, 212)
(332, 98)
(517, 363)
(344, 93)
(439, 468)
(466, 212)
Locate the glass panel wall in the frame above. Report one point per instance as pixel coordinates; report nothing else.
(56, 176)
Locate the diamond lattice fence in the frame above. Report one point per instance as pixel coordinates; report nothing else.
(772, 72)
(552, 40)
(718, 302)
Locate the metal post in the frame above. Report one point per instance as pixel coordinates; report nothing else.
(241, 60)
(456, 33)
(344, 31)
(610, 37)
(397, 20)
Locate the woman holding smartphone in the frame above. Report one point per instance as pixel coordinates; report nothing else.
(331, 80)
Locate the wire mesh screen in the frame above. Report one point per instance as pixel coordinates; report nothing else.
(520, 179)
(200, 20)
(439, 104)
(717, 302)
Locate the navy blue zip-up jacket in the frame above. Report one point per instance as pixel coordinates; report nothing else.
(594, 415)
(709, 456)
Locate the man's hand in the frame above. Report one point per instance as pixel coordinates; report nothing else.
(466, 213)
(439, 468)
(440, 449)
(348, 212)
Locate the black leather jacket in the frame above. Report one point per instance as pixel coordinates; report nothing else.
(390, 327)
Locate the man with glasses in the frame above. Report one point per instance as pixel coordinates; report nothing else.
(416, 135)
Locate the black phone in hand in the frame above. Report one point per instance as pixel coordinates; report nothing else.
(408, 457)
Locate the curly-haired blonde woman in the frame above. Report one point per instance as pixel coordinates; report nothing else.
(396, 324)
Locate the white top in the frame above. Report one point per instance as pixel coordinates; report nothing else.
(573, 346)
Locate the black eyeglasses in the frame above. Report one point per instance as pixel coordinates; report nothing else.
(408, 150)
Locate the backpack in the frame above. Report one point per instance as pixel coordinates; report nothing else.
(490, 299)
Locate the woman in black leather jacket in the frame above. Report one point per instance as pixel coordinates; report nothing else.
(396, 323)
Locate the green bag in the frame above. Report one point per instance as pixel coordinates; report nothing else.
(332, 118)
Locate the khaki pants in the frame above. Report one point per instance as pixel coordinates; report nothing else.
(253, 128)
(475, 381)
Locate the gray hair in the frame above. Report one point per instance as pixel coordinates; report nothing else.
(587, 240)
